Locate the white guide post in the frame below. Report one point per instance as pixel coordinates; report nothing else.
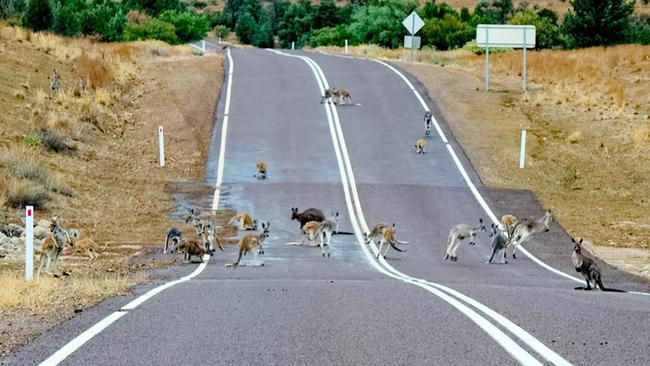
(293, 45)
(219, 41)
(346, 46)
(161, 146)
(29, 243)
(522, 150)
(203, 46)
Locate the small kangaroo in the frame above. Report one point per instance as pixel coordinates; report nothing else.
(523, 229)
(190, 248)
(309, 231)
(499, 242)
(459, 233)
(419, 146)
(173, 237)
(427, 122)
(508, 222)
(310, 214)
(250, 242)
(261, 170)
(325, 230)
(342, 97)
(243, 221)
(588, 269)
(387, 236)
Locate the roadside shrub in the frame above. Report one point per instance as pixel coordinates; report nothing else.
(54, 142)
(23, 192)
(221, 31)
(96, 70)
(32, 171)
(188, 26)
(329, 36)
(153, 29)
(31, 139)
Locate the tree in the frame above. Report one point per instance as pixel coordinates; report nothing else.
(246, 27)
(447, 33)
(68, 16)
(548, 33)
(438, 11)
(503, 10)
(597, 22)
(38, 15)
(11, 8)
(154, 7)
(188, 26)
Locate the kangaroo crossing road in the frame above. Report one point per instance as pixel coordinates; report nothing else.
(353, 309)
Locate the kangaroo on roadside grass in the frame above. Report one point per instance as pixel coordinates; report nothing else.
(508, 222)
(427, 122)
(173, 237)
(386, 235)
(588, 269)
(55, 82)
(499, 242)
(252, 242)
(84, 247)
(525, 228)
(325, 230)
(53, 245)
(243, 221)
(261, 170)
(419, 146)
(310, 214)
(459, 233)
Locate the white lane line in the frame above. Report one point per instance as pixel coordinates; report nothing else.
(224, 132)
(84, 337)
(499, 336)
(535, 344)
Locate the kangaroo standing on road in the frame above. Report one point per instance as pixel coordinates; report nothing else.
(310, 214)
(252, 242)
(261, 170)
(203, 222)
(508, 222)
(419, 146)
(190, 248)
(459, 233)
(427, 122)
(523, 229)
(325, 230)
(386, 235)
(243, 221)
(588, 269)
(172, 239)
(499, 242)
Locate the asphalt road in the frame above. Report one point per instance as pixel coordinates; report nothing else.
(301, 308)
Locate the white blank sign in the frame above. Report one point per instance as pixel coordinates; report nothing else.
(411, 42)
(500, 35)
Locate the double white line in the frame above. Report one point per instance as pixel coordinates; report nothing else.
(480, 314)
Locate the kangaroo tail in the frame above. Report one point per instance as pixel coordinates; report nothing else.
(602, 288)
(392, 244)
(342, 233)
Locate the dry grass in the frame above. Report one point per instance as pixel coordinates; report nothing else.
(22, 192)
(45, 293)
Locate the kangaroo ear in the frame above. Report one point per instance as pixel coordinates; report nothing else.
(580, 241)
(480, 220)
(573, 240)
(393, 225)
(336, 214)
(268, 224)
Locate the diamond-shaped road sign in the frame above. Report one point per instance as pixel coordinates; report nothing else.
(413, 23)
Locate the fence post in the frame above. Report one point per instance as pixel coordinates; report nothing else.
(161, 146)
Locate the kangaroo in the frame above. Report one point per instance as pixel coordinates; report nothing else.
(53, 245)
(243, 221)
(204, 223)
(499, 242)
(325, 230)
(342, 97)
(250, 242)
(508, 222)
(55, 82)
(427, 122)
(419, 146)
(588, 269)
(261, 170)
(172, 239)
(310, 214)
(309, 232)
(387, 236)
(459, 233)
(523, 229)
(88, 247)
(189, 248)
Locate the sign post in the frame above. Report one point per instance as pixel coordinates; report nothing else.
(508, 36)
(161, 146)
(413, 23)
(29, 243)
(293, 46)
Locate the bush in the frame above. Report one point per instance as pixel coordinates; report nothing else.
(449, 32)
(188, 26)
(22, 192)
(32, 171)
(547, 33)
(68, 17)
(38, 15)
(597, 22)
(31, 139)
(329, 36)
(221, 31)
(153, 29)
(54, 142)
